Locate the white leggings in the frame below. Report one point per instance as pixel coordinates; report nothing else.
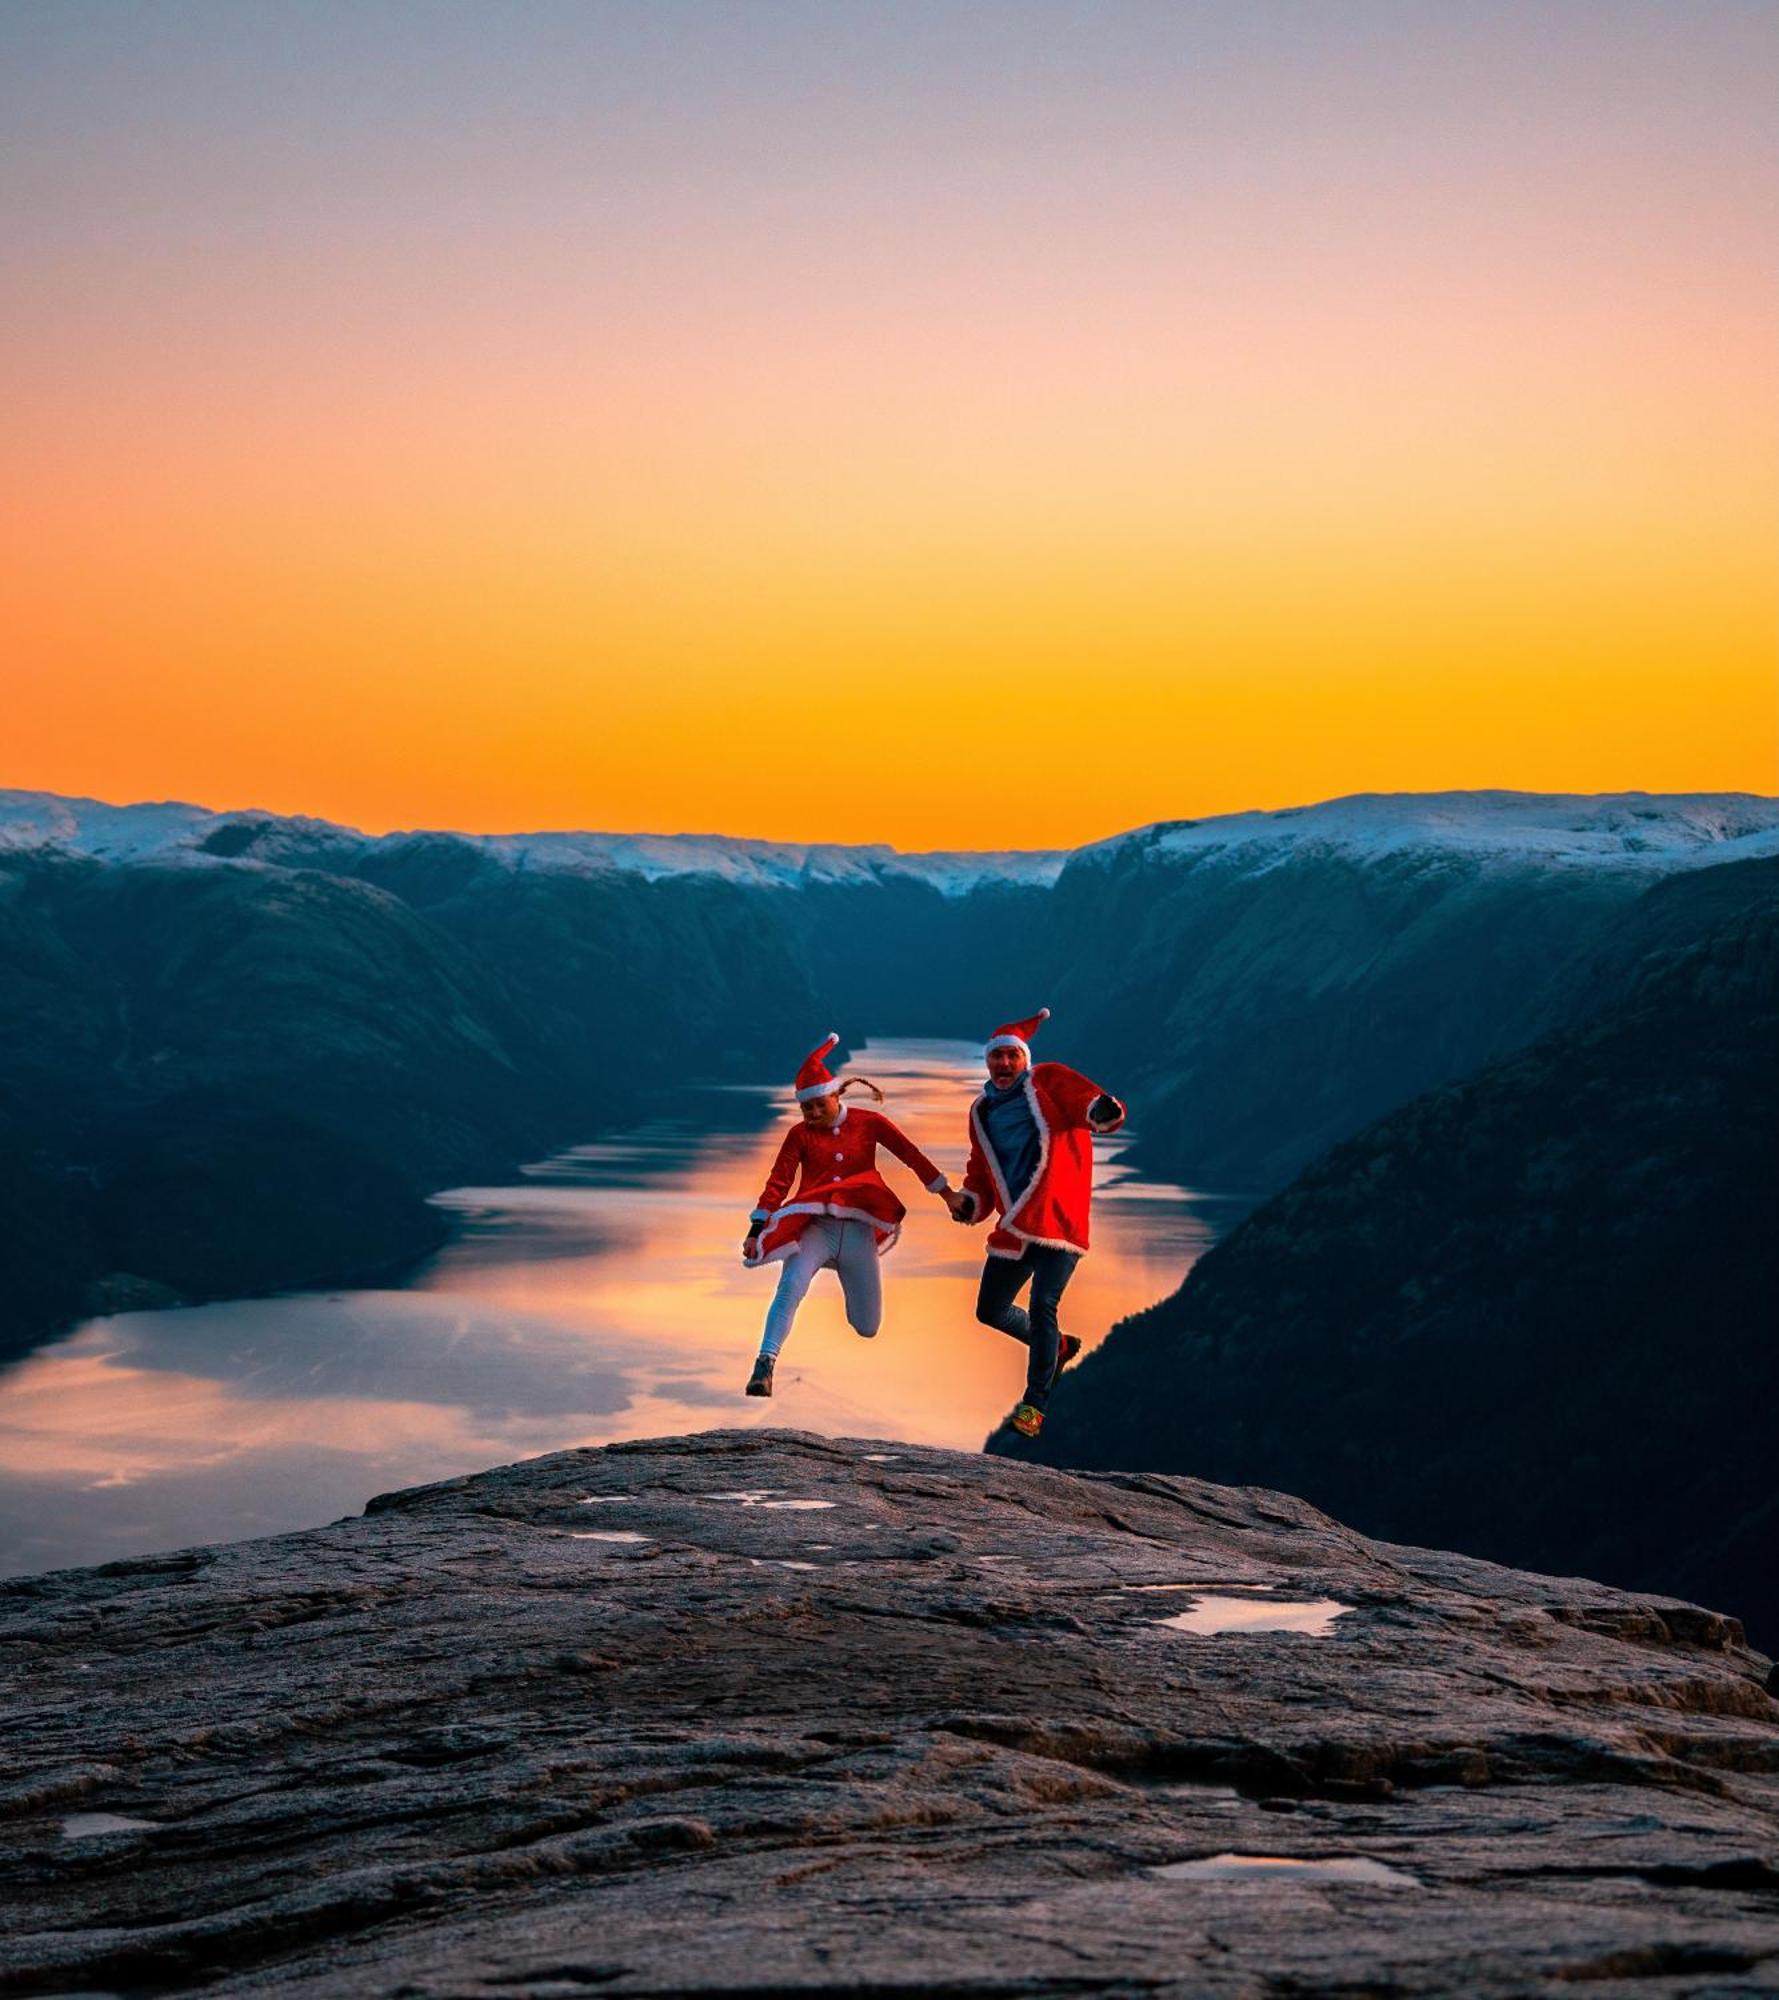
(851, 1248)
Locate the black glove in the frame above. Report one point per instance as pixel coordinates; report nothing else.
(1103, 1110)
(753, 1230)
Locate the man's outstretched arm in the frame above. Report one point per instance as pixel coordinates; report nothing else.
(1082, 1102)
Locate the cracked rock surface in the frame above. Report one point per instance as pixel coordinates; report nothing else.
(764, 1712)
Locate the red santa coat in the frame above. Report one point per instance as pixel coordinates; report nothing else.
(836, 1174)
(1051, 1209)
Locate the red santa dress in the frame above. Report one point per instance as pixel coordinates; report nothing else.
(835, 1169)
(1051, 1210)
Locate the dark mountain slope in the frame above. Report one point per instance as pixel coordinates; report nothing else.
(1261, 1009)
(1534, 1315)
(233, 1077)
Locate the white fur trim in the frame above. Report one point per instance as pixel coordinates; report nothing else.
(810, 1090)
(887, 1232)
(760, 1215)
(839, 1208)
(940, 1186)
(1008, 1042)
(980, 1134)
(1046, 1242)
(1010, 1207)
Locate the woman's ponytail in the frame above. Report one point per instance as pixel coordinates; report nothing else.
(860, 1083)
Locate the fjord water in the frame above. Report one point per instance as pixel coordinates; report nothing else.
(601, 1297)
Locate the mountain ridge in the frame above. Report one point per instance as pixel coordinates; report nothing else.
(1605, 828)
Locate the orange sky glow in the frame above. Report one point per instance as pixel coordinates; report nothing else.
(995, 433)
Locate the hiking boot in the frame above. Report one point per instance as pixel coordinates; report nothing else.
(1027, 1419)
(759, 1383)
(1067, 1347)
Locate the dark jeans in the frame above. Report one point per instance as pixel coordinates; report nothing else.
(1049, 1272)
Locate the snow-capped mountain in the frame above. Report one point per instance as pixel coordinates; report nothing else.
(171, 831)
(1598, 830)
(1610, 829)
(1283, 977)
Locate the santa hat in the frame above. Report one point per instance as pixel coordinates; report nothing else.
(813, 1079)
(1018, 1034)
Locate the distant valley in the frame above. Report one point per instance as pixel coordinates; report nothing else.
(236, 1050)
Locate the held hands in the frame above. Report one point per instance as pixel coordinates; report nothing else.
(750, 1243)
(962, 1205)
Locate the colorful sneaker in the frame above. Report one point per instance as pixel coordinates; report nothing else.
(1067, 1347)
(759, 1383)
(1027, 1419)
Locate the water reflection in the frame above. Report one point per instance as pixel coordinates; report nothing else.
(1215, 1615)
(1251, 1867)
(602, 1297)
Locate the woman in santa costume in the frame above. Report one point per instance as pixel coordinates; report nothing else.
(1031, 1161)
(842, 1216)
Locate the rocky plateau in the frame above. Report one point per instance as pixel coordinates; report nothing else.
(760, 1712)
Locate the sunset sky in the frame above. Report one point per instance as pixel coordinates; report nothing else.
(952, 424)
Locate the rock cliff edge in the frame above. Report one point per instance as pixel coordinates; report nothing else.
(763, 1712)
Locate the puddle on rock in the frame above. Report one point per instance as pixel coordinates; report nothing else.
(761, 1496)
(1313, 1616)
(85, 1826)
(605, 1535)
(882, 1457)
(1241, 1867)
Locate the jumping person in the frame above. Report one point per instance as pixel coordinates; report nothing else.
(1031, 1160)
(843, 1216)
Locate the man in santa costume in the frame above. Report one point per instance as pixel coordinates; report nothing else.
(1031, 1161)
(843, 1215)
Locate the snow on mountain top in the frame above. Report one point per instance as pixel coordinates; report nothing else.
(149, 831)
(1606, 829)
(763, 864)
(171, 831)
(1614, 829)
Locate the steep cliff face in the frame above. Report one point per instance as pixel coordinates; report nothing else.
(1530, 1315)
(769, 1712)
(1269, 983)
